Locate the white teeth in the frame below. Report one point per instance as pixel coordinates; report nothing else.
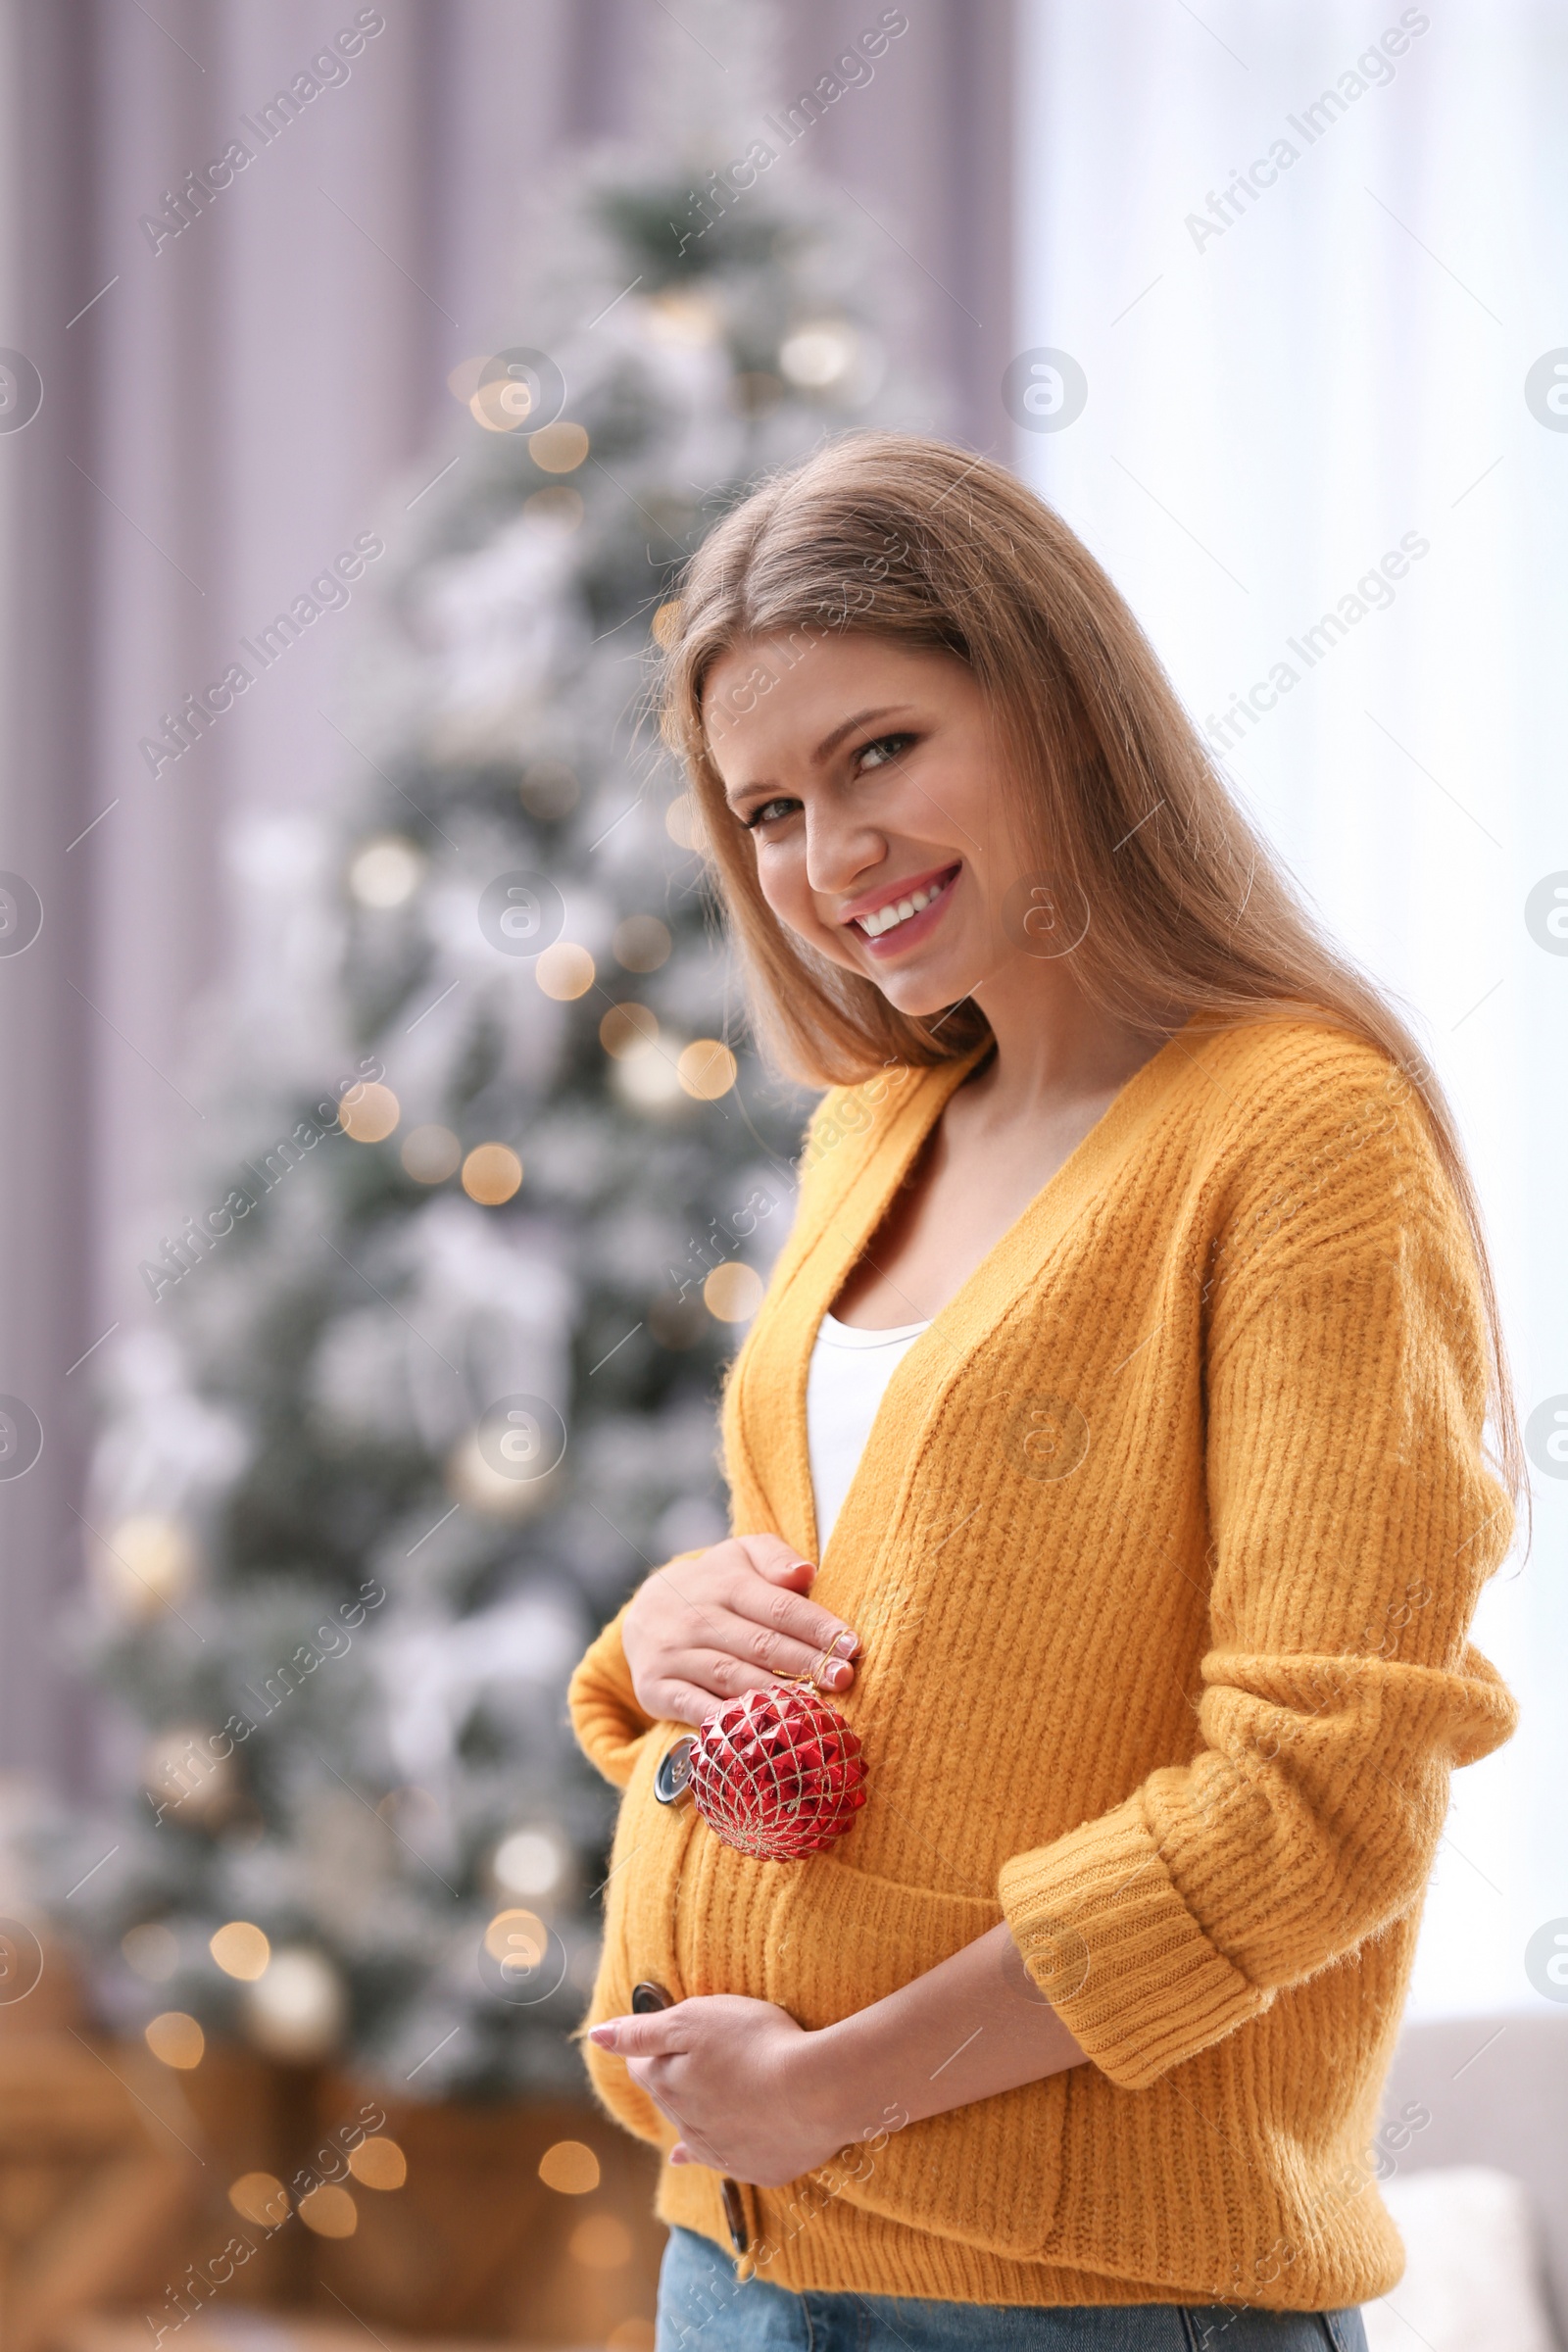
(897, 912)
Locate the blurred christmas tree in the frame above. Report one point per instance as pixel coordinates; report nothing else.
(489, 1173)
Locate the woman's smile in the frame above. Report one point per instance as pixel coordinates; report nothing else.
(902, 914)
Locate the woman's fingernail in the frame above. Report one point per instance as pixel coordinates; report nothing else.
(603, 2036)
(845, 1645)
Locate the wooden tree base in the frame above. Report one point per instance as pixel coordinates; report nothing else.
(114, 2179)
(476, 2243)
(118, 2232)
(93, 2180)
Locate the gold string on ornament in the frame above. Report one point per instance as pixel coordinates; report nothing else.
(778, 1773)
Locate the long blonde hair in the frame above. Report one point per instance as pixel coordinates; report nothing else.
(1117, 797)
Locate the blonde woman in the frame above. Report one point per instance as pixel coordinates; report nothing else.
(1107, 1450)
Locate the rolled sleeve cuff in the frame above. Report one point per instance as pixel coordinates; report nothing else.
(1110, 1942)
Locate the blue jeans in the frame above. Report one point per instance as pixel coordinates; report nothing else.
(701, 2308)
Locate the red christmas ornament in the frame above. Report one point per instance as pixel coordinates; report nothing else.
(777, 1773)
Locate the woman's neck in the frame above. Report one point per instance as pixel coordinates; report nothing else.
(1053, 1044)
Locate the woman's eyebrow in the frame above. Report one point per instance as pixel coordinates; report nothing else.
(830, 743)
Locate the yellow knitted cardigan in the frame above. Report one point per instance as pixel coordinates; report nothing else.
(1163, 1549)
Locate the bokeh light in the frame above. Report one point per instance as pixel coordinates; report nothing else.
(491, 1174)
(527, 1862)
(463, 381)
(241, 1950)
(565, 971)
(625, 1027)
(683, 822)
(186, 1781)
(369, 1112)
(176, 2039)
(386, 871)
(504, 405)
(819, 354)
(707, 1069)
(600, 2241)
(648, 1076)
(431, 1154)
(516, 1940)
(571, 2167)
(262, 2198)
(641, 944)
(298, 2009)
(147, 1560)
(380, 2163)
(329, 2211)
(557, 448)
(153, 1951)
(733, 1293)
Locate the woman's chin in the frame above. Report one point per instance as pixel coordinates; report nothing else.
(919, 995)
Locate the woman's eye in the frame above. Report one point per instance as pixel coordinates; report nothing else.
(767, 813)
(884, 749)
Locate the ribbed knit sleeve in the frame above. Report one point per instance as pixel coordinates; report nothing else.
(1352, 1520)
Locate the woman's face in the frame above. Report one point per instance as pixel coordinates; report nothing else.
(867, 774)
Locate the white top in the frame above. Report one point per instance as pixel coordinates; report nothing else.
(848, 1372)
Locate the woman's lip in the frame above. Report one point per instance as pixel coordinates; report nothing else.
(874, 901)
(920, 926)
(901, 890)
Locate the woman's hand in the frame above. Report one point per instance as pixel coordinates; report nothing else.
(737, 2076)
(733, 1619)
(758, 2097)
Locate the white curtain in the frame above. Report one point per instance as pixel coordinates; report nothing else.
(1311, 263)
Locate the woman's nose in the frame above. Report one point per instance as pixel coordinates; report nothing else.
(840, 858)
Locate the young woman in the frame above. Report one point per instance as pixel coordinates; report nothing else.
(1107, 1449)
